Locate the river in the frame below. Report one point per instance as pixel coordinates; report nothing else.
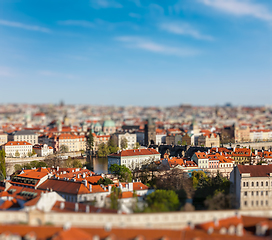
(100, 165)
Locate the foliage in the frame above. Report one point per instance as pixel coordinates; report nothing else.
(29, 154)
(3, 163)
(179, 142)
(104, 181)
(199, 177)
(64, 149)
(33, 152)
(90, 141)
(207, 193)
(124, 143)
(17, 154)
(137, 145)
(73, 163)
(122, 172)
(103, 150)
(162, 201)
(112, 146)
(114, 196)
(261, 162)
(184, 143)
(33, 164)
(54, 160)
(176, 181)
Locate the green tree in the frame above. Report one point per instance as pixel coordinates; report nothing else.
(29, 154)
(179, 142)
(137, 145)
(64, 149)
(124, 143)
(103, 150)
(261, 162)
(90, 141)
(112, 146)
(104, 181)
(3, 163)
(73, 163)
(33, 152)
(17, 154)
(184, 143)
(114, 196)
(162, 201)
(122, 172)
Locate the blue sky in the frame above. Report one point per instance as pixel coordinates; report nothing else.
(136, 52)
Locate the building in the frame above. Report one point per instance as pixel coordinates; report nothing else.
(150, 132)
(201, 159)
(131, 139)
(17, 149)
(3, 138)
(209, 140)
(134, 158)
(43, 150)
(109, 127)
(242, 133)
(252, 186)
(242, 155)
(24, 135)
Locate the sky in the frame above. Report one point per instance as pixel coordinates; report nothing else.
(136, 52)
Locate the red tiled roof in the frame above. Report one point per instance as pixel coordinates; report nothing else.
(256, 170)
(136, 152)
(15, 143)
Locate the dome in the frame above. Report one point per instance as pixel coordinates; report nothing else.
(109, 123)
(97, 124)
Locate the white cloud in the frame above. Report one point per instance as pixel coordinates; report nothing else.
(240, 8)
(78, 23)
(183, 29)
(144, 44)
(105, 4)
(24, 26)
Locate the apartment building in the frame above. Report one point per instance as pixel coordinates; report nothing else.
(131, 139)
(252, 186)
(134, 158)
(43, 150)
(24, 135)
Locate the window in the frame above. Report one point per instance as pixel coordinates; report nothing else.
(266, 183)
(261, 184)
(257, 184)
(247, 184)
(244, 184)
(245, 194)
(262, 203)
(245, 203)
(266, 193)
(266, 202)
(257, 193)
(252, 203)
(252, 193)
(257, 203)
(261, 193)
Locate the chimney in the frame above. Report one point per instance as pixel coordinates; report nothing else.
(62, 205)
(76, 207)
(84, 175)
(87, 209)
(109, 189)
(57, 168)
(90, 187)
(85, 182)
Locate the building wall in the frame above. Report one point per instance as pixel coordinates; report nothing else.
(22, 149)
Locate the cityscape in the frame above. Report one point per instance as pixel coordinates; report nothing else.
(135, 120)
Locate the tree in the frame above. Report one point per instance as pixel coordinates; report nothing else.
(105, 181)
(64, 149)
(17, 154)
(73, 163)
(112, 146)
(90, 141)
(3, 163)
(162, 201)
(33, 152)
(137, 145)
(124, 143)
(103, 150)
(29, 154)
(122, 172)
(114, 196)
